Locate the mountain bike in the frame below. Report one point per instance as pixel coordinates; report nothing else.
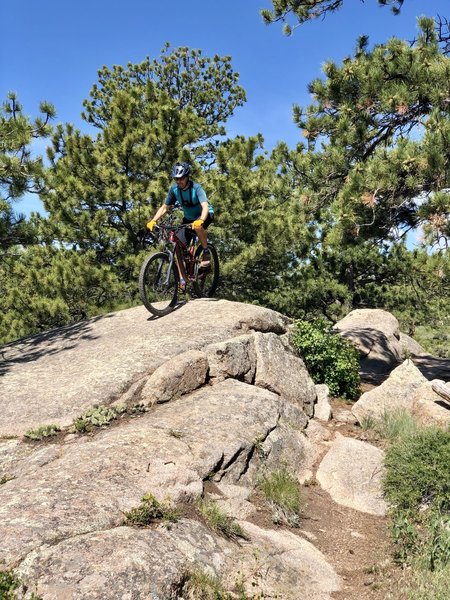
(159, 276)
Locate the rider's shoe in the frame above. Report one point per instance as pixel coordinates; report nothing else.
(182, 286)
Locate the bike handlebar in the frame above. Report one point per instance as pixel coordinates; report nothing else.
(153, 236)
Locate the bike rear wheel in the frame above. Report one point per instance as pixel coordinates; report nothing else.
(158, 284)
(206, 277)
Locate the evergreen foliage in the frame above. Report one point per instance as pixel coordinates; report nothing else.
(101, 191)
(312, 231)
(20, 172)
(378, 135)
(45, 287)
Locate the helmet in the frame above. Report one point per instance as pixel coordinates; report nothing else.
(181, 169)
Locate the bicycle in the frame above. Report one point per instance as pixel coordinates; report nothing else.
(159, 277)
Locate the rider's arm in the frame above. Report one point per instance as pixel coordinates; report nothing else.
(205, 211)
(201, 194)
(162, 210)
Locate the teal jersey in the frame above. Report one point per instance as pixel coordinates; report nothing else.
(189, 200)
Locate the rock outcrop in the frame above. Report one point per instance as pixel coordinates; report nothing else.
(376, 335)
(395, 393)
(211, 403)
(351, 473)
(202, 403)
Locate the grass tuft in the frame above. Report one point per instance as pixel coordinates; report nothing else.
(200, 585)
(217, 520)
(149, 511)
(282, 491)
(392, 424)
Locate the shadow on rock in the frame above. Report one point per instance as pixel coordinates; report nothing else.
(34, 347)
(432, 367)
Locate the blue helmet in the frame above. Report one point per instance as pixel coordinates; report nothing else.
(181, 169)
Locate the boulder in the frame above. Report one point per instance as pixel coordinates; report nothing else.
(410, 346)
(56, 376)
(376, 335)
(179, 375)
(235, 358)
(351, 473)
(280, 371)
(106, 565)
(429, 408)
(322, 409)
(397, 392)
(305, 572)
(87, 483)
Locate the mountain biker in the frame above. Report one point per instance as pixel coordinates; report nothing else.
(197, 210)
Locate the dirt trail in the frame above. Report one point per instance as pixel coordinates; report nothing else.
(358, 545)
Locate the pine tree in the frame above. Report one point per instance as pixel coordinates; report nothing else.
(102, 190)
(20, 172)
(258, 230)
(378, 140)
(307, 10)
(45, 287)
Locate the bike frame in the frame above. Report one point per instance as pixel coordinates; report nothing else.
(172, 242)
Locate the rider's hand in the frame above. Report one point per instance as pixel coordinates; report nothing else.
(198, 223)
(151, 224)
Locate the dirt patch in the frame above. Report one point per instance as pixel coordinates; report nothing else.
(357, 544)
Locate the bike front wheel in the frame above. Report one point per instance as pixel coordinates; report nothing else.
(207, 275)
(158, 284)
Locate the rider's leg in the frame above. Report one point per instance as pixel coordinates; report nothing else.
(201, 232)
(180, 265)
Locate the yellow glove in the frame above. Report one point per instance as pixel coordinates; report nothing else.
(151, 224)
(198, 223)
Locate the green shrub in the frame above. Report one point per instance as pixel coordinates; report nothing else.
(417, 485)
(436, 546)
(417, 471)
(329, 358)
(98, 416)
(8, 583)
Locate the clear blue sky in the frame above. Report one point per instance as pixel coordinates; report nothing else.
(51, 50)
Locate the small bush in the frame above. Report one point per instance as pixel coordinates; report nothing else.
(8, 583)
(417, 485)
(435, 553)
(219, 521)
(149, 511)
(329, 358)
(282, 490)
(43, 431)
(97, 416)
(417, 471)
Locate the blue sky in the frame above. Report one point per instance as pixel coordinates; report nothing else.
(52, 49)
